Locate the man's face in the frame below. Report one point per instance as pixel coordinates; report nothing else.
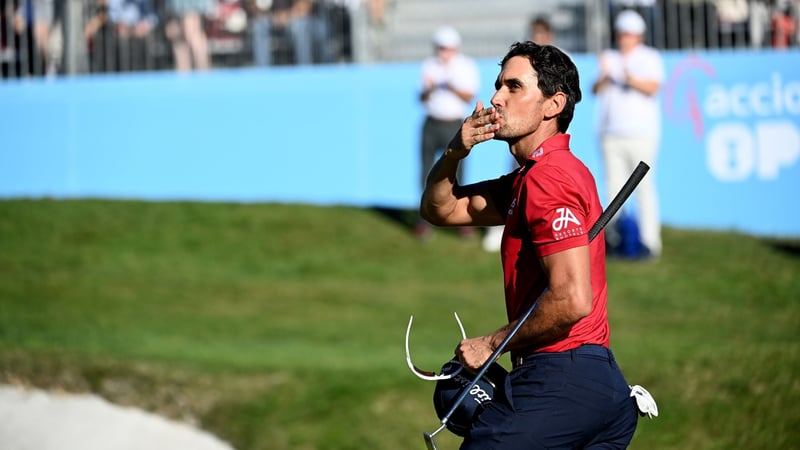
(628, 41)
(518, 99)
(446, 53)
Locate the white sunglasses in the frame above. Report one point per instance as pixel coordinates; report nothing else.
(425, 374)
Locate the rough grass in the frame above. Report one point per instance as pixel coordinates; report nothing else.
(281, 326)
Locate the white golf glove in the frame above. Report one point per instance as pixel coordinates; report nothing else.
(644, 401)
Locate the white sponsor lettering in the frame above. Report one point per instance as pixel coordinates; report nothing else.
(479, 395)
(735, 152)
(738, 149)
(763, 99)
(477, 392)
(779, 146)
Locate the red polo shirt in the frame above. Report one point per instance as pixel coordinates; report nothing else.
(551, 203)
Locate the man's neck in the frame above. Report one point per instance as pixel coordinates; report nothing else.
(524, 148)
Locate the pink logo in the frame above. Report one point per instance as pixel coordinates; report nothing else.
(681, 84)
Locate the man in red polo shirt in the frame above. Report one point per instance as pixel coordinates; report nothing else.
(566, 390)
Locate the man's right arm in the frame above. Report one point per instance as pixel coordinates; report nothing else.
(446, 203)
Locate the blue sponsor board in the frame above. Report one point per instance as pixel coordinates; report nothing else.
(731, 148)
(729, 157)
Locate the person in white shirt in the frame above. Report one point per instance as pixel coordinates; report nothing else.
(450, 81)
(628, 86)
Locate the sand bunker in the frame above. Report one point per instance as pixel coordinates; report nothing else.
(32, 419)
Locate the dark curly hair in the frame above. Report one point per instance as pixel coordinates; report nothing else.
(556, 73)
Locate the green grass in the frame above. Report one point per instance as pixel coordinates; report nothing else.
(281, 326)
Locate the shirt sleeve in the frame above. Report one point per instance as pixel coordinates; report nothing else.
(555, 211)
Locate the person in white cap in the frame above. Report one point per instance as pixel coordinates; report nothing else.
(628, 85)
(450, 80)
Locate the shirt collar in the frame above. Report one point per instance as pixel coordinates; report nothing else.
(554, 143)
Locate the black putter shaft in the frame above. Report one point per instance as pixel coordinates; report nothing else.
(602, 221)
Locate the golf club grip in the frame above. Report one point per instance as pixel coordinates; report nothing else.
(619, 199)
(602, 221)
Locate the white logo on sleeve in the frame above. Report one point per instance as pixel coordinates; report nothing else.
(565, 216)
(511, 208)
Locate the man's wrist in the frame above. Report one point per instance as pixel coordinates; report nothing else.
(450, 154)
(495, 341)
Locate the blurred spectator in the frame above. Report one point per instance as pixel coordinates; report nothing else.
(784, 26)
(260, 12)
(629, 80)
(540, 31)
(795, 9)
(185, 30)
(450, 81)
(319, 31)
(733, 20)
(101, 38)
(647, 9)
(227, 29)
(335, 41)
(374, 43)
(377, 12)
(10, 62)
(759, 23)
(39, 17)
(133, 21)
(278, 22)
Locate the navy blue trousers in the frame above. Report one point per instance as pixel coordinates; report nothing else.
(576, 399)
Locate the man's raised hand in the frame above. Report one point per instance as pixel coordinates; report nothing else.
(478, 127)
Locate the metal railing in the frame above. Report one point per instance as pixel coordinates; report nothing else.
(586, 25)
(58, 37)
(716, 24)
(55, 37)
